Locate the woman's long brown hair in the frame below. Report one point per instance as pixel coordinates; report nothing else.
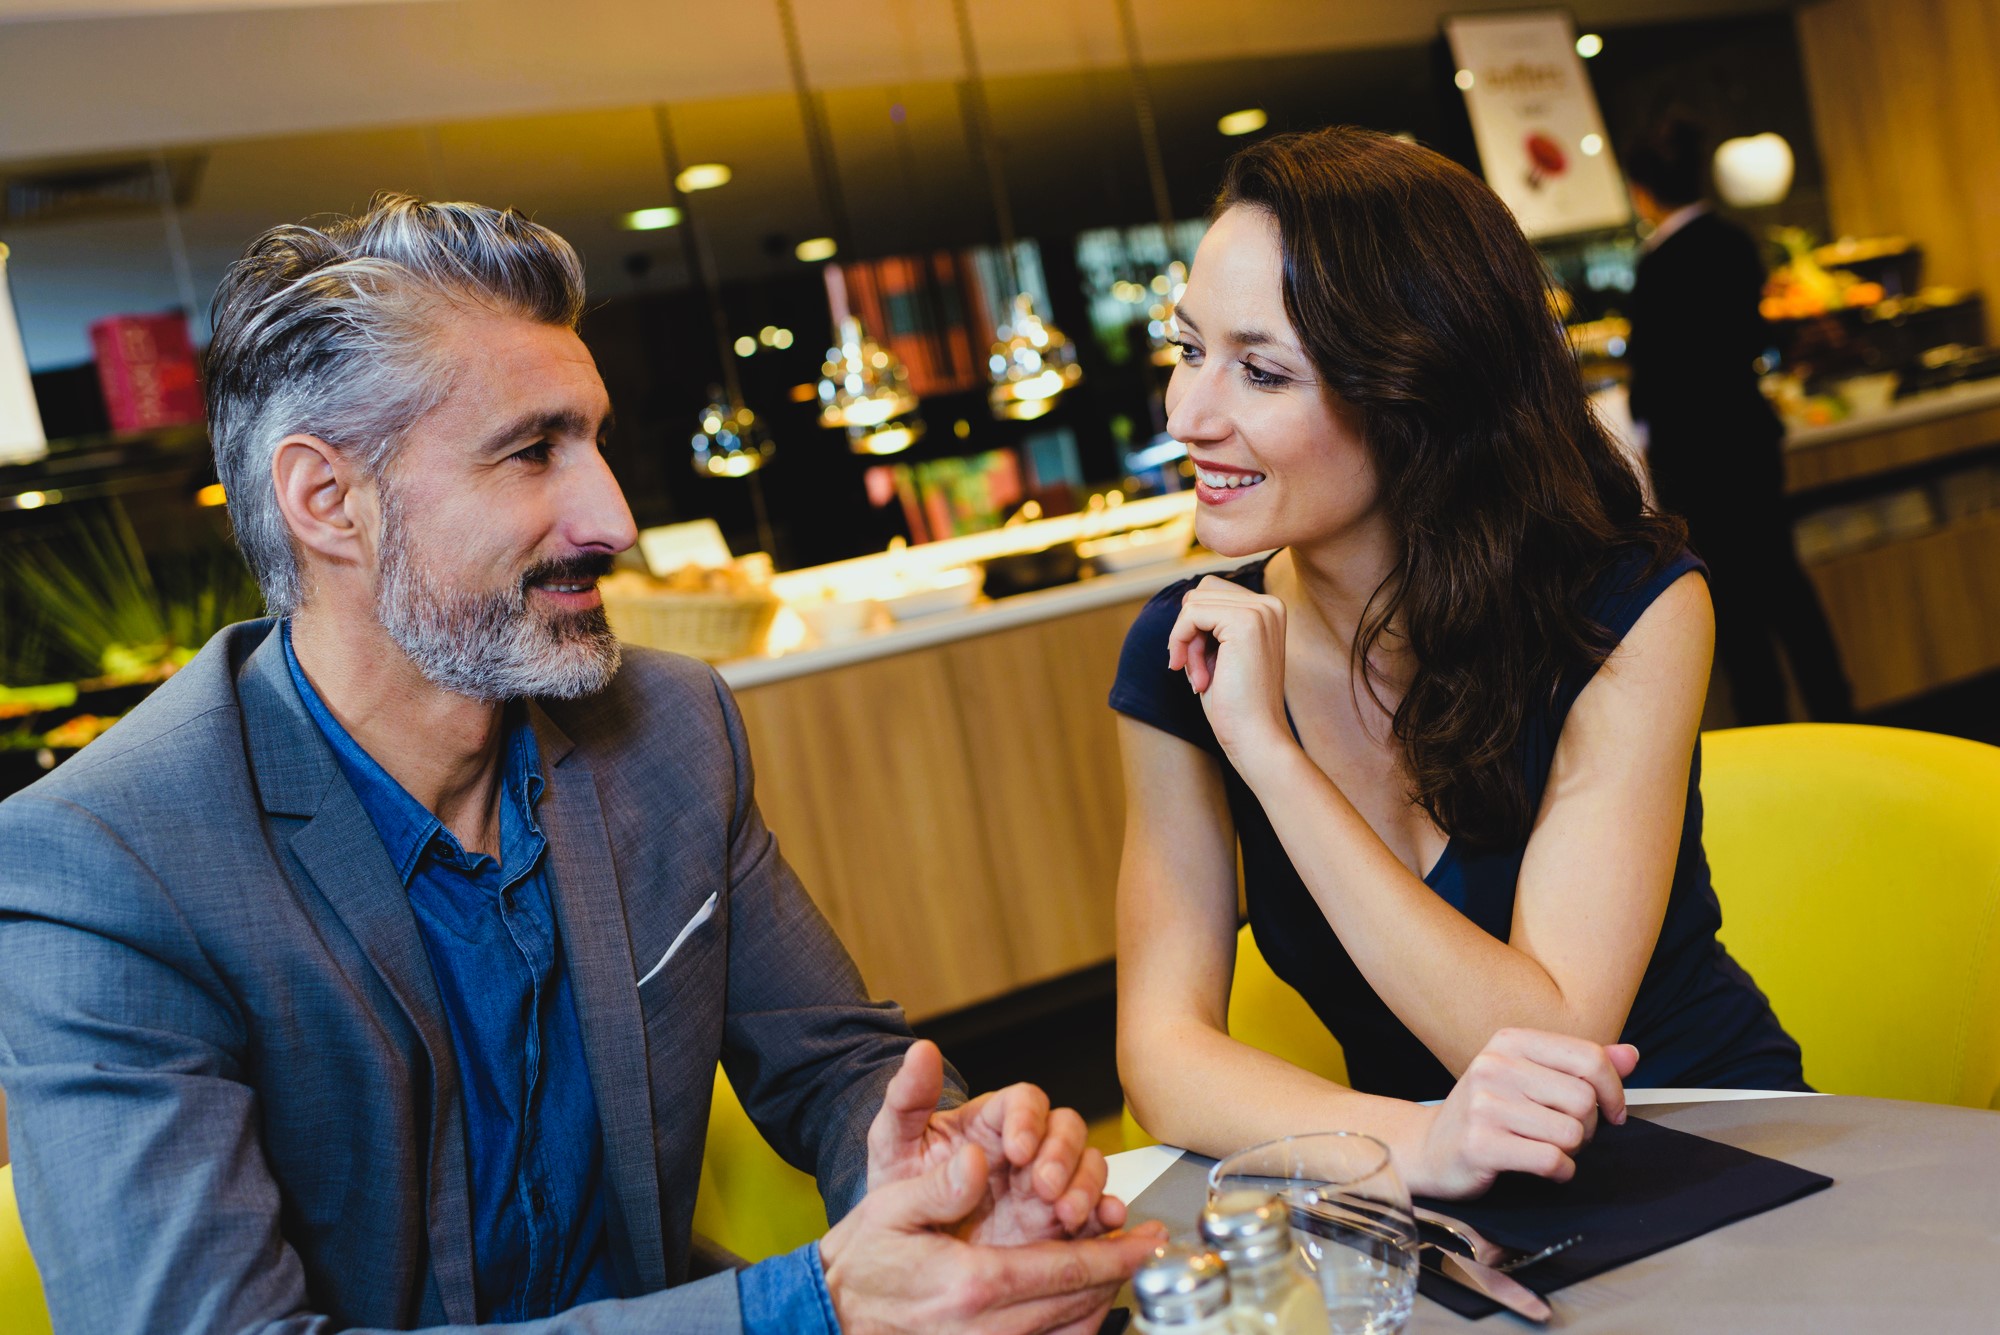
(1423, 307)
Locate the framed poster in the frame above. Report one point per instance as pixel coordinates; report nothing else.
(1535, 120)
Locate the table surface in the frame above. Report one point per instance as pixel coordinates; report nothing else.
(1907, 1238)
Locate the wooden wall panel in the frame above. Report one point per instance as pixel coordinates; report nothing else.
(956, 812)
(1052, 801)
(862, 772)
(1906, 108)
(1914, 614)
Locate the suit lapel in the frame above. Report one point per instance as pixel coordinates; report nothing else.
(597, 946)
(342, 853)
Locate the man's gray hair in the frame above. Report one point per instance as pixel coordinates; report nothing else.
(328, 331)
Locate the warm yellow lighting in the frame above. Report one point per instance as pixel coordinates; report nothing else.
(891, 439)
(768, 335)
(1248, 121)
(1463, 79)
(31, 500)
(649, 220)
(1592, 145)
(1025, 410)
(961, 428)
(814, 249)
(782, 339)
(702, 176)
(1046, 385)
(1589, 45)
(212, 494)
(745, 346)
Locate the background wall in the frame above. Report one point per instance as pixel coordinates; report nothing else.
(1906, 97)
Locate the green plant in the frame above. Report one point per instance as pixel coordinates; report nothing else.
(94, 598)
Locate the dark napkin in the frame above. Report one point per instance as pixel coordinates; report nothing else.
(1639, 1188)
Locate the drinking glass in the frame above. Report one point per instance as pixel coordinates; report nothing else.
(1351, 1221)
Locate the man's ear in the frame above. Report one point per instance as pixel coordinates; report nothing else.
(324, 498)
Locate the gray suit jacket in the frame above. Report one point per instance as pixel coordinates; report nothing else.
(232, 1095)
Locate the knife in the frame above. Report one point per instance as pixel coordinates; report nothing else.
(1510, 1293)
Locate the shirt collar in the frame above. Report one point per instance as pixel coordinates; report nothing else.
(1672, 223)
(405, 825)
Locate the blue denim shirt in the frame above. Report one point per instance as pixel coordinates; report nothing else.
(534, 1145)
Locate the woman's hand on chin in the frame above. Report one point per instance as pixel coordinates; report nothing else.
(1526, 1104)
(1231, 644)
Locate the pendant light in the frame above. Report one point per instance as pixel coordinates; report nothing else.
(729, 440)
(864, 388)
(1033, 363)
(1170, 284)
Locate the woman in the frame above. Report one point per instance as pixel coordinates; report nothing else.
(1451, 723)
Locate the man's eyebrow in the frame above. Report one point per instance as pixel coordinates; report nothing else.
(545, 422)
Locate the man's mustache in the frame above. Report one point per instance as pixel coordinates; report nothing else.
(581, 569)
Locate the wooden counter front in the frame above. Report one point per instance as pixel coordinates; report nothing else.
(957, 810)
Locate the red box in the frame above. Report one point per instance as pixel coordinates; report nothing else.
(146, 366)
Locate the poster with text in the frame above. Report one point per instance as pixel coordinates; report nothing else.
(1535, 119)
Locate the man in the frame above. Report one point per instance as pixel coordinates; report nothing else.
(1713, 442)
(375, 971)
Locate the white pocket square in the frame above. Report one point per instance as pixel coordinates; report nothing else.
(702, 915)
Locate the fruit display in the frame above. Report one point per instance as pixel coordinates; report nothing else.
(1803, 287)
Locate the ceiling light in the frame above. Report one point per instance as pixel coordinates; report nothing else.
(862, 384)
(1589, 45)
(702, 176)
(729, 441)
(889, 438)
(1248, 121)
(1753, 171)
(814, 249)
(1032, 364)
(649, 220)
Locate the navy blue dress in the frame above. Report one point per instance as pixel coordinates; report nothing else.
(1698, 1019)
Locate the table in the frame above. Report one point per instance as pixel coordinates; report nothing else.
(1907, 1238)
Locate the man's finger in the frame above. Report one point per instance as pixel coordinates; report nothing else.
(938, 1198)
(1050, 1269)
(1081, 1193)
(1058, 1153)
(911, 1098)
(1019, 1116)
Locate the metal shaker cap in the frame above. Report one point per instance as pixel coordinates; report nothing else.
(1180, 1287)
(1247, 1227)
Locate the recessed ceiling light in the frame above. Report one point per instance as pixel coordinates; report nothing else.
(703, 176)
(649, 220)
(815, 249)
(1248, 121)
(1589, 45)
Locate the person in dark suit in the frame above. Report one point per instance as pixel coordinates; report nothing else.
(375, 971)
(1713, 441)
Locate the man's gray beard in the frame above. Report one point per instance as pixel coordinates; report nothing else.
(488, 646)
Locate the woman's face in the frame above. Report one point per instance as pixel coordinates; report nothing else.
(1279, 460)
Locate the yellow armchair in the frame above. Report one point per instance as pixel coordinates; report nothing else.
(750, 1200)
(1859, 874)
(23, 1310)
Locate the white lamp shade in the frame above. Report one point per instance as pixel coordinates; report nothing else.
(21, 438)
(1753, 171)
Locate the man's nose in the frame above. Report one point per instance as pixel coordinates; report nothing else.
(599, 518)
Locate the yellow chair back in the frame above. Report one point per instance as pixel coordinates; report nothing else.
(750, 1200)
(1267, 1012)
(1859, 874)
(23, 1310)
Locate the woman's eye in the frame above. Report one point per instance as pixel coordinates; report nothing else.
(1189, 352)
(1257, 375)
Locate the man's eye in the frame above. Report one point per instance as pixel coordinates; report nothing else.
(537, 453)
